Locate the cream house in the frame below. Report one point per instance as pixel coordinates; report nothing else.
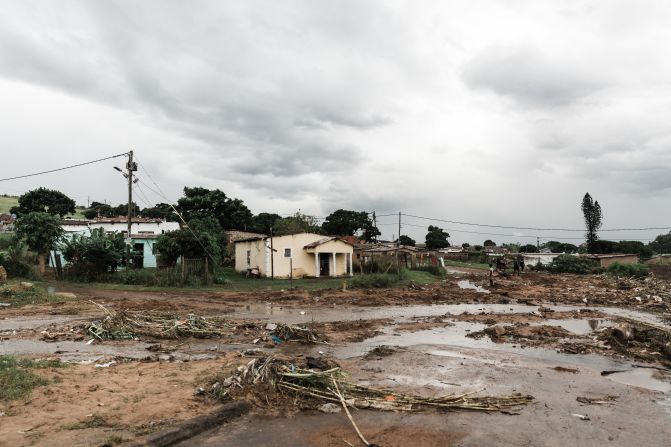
(302, 254)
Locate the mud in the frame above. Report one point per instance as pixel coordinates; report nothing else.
(546, 335)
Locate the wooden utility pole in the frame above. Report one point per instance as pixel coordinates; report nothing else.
(398, 245)
(272, 256)
(131, 166)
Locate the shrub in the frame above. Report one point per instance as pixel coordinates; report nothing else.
(19, 261)
(631, 270)
(573, 264)
(373, 281)
(435, 270)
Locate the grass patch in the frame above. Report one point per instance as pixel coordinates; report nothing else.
(18, 295)
(7, 202)
(435, 270)
(95, 421)
(628, 270)
(16, 379)
(470, 265)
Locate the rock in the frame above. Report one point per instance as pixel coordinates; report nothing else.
(65, 295)
(329, 408)
(3, 275)
(26, 285)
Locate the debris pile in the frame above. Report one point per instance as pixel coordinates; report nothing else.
(312, 388)
(285, 332)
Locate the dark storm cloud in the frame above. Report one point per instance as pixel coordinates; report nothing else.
(529, 76)
(222, 76)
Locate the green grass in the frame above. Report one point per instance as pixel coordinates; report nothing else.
(17, 295)
(470, 265)
(237, 282)
(94, 421)
(16, 379)
(7, 202)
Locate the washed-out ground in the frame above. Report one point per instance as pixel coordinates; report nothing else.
(558, 338)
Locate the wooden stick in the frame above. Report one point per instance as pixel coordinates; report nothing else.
(349, 416)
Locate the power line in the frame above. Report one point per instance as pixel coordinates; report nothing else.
(532, 228)
(64, 168)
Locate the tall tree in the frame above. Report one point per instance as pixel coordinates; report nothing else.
(346, 222)
(160, 211)
(489, 243)
(661, 244)
(591, 210)
(262, 222)
(298, 223)
(40, 230)
(199, 202)
(437, 238)
(406, 240)
(44, 200)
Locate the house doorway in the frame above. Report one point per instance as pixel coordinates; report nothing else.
(324, 264)
(138, 255)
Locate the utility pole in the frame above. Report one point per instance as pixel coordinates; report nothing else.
(398, 245)
(538, 243)
(272, 256)
(375, 225)
(130, 167)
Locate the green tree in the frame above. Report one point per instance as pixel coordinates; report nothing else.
(298, 223)
(661, 244)
(44, 200)
(528, 248)
(93, 255)
(262, 222)
(97, 209)
(40, 231)
(406, 240)
(560, 247)
(635, 247)
(199, 202)
(349, 223)
(489, 243)
(591, 211)
(437, 238)
(160, 211)
(174, 244)
(465, 245)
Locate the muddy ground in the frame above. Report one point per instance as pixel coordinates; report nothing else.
(557, 337)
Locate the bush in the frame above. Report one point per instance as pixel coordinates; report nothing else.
(377, 280)
(630, 270)
(373, 281)
(435, 270)
(19, 262)
(573, 264)
(376, 265)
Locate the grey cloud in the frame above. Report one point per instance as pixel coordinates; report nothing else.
(530, 77)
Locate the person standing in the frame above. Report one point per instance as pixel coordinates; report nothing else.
(491, 275)
(516, 267)
(522, 264)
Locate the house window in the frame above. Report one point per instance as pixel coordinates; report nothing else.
(249, 258)
(287, 252)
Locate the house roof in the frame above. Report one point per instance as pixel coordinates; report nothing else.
(611, 255)
(325, 240)
(124, 219)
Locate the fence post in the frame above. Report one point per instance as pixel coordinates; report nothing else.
(207, 272)
(183, 269)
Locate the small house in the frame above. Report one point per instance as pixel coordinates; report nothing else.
(608, 259)
(294, 255)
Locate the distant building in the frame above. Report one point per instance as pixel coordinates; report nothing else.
(7, 223)
(608, 259)
(144, 233)
(298, 255)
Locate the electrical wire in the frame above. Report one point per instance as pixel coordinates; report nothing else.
(531, 228)
(62, 169)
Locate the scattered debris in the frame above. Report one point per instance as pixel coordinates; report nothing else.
(380, 351)
(318, 387)
(582, 417)
(565, 369)
(105, 365)
(601, 400)
(285, 332)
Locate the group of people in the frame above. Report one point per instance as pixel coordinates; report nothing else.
(518, 266)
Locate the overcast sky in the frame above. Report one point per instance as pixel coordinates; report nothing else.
(495, 112)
